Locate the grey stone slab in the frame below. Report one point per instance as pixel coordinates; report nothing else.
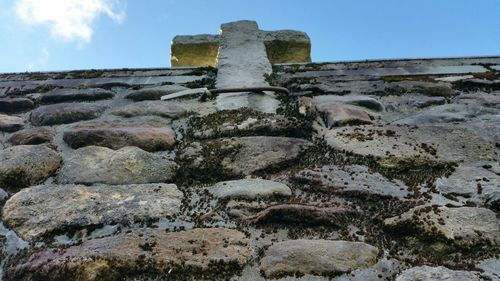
(64, 113)
(340, 86)
(354, 179)
(10, 123)
(388, 71)
(152, 80)
(77, 74)
(486, 100)
(385, 269)
(447, 113)
(438, 273)
(10, 245)
(249, 189)
(438, 142)
(68, 83)
(395, 63)
(3, 197)
(264, 102)
(472, 181)
(490, 266)
(359, 100)
(454, 78)
(463, 226)
(154, 93)
(70, 95)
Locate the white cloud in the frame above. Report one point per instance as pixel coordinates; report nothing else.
(40, 62)
(70, 20)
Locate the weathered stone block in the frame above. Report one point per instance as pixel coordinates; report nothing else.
(43, 210)
(25, 165)
(31, 136)
(287, 46)
(13, 105)
(197, 50)
(65, 113)
(95, 164)
(436, 273)
(206, 252)
(463, 226)
(10, 123)
(117, 134)
(249, 189)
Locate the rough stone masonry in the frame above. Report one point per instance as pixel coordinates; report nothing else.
(373, 170)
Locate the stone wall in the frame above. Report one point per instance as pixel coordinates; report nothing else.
(383, 170)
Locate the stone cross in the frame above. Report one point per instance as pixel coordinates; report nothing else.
(243, 54)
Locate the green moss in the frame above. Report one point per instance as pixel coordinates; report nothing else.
(158, 145)
(315, 66)
(294, 83)
(44, 88)
(289, 106)
(272, 78)
(37, 90)
(61, 75)
(294, 68)
(226, 123)
(208, 83)
(281, 51)
(204, 70)
(205, 165)
(14, 180)
(37, 76)
(399, 78)
(488, 75)
(143, 268)
(85, 74)
(434, 248)
(413, 171)
(215, 120)
(474, 86)
(322, 154)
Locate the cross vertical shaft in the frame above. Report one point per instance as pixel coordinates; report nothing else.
(242, 59)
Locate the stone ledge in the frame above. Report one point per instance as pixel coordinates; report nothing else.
(197, 50)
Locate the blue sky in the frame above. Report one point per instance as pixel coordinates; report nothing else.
(41, 35)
